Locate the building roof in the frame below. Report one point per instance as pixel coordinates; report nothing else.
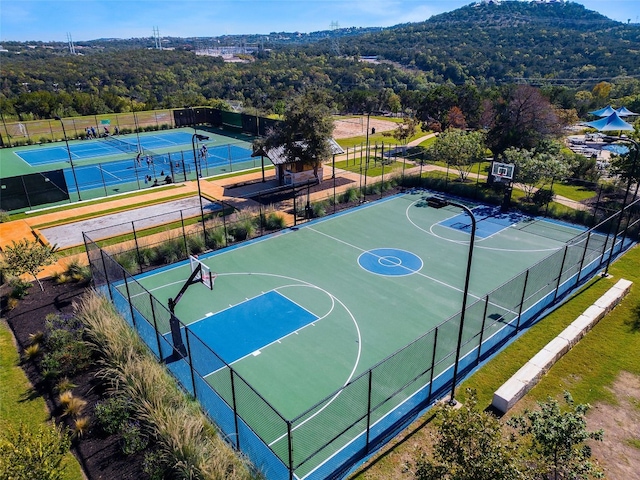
(278, 157)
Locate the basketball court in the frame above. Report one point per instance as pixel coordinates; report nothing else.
(305, 320)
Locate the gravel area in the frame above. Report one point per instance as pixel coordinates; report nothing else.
(70, 234)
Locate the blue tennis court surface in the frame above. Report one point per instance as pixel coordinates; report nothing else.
(243, 329)
(489, 221)
(103, 148)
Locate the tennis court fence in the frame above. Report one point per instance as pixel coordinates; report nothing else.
(372, 408)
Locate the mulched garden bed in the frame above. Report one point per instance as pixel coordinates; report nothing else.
(99, 455)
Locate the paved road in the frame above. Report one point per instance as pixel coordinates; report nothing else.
(70, 234)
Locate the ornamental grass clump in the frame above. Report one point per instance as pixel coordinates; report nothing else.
(185, 443)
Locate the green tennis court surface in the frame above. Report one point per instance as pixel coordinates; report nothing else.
(296, 322)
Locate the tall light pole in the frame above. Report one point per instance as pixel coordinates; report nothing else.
(438, 202)
(135, 123)
(73, 170)
(632, 175)
(197, 136)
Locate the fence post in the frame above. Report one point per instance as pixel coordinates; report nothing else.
(433, 362)
(106, 275)
(155, 326)
(484, 320)
(584, 255)
(564, 257)
(366, 445)
(524, 292)
(290, 449)
(224, 224)
(135, 240)
(235, 408)
(184, 236)
(193, 377)
(126, 286)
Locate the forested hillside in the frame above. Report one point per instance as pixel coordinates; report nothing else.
(567, 49)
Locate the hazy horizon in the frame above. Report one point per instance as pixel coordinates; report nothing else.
(84, 20)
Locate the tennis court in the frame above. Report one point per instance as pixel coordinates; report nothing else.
(316, 341)
(108, 165)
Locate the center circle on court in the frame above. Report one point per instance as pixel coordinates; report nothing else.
(390, 262)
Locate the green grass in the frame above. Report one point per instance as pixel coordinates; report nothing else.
(373, 170)
(591, 366)
(73, 206)
(18, 401)
(573, 192)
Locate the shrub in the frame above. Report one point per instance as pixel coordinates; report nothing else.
(65, 385)
(196, 244)
(67, 353)
(128, 260)
(113, 414)
(81, 426)
(78, 272)
(216, 237)
(170, 251)
(27, 454)
(73, 406)
(37, 337)
(243, 228)
(319, 209)
(31, 352)
(351, 194)
(19, 287)
(4, 216)
(12, 303)
(274, 221)
(133, 438)
(154, 465)
(542, 196)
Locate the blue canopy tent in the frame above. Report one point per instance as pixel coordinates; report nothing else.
(625, 112)
(603, 112)
(610, 124)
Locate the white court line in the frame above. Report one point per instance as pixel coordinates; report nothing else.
(294, 332)
(416, 273)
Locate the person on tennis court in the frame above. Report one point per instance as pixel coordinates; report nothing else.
(203, 152)
(93, 133)
(106, 131)
(116, 131)
(138, 159)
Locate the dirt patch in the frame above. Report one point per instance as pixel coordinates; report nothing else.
(357, 126)
(621, 424)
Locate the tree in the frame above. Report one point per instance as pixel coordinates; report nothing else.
(535, 169)
(305, 131)
(28, 257)
(557, 439)
(469, 445)
(523, 119)
(459, 149)
(405, 130)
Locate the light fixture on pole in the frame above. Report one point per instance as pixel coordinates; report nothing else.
(197, 136)
(438, 202)
(632, 174)
(73, 170)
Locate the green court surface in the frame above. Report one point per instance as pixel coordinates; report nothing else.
(300, 314)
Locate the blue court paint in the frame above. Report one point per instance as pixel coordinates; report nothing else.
(390, 262)
(489, 221)
(251, 325)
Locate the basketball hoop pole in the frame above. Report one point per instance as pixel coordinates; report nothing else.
(438, 202)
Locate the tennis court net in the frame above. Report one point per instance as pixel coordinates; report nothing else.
(120, 144)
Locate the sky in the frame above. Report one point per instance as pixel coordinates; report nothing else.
(55, 20)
